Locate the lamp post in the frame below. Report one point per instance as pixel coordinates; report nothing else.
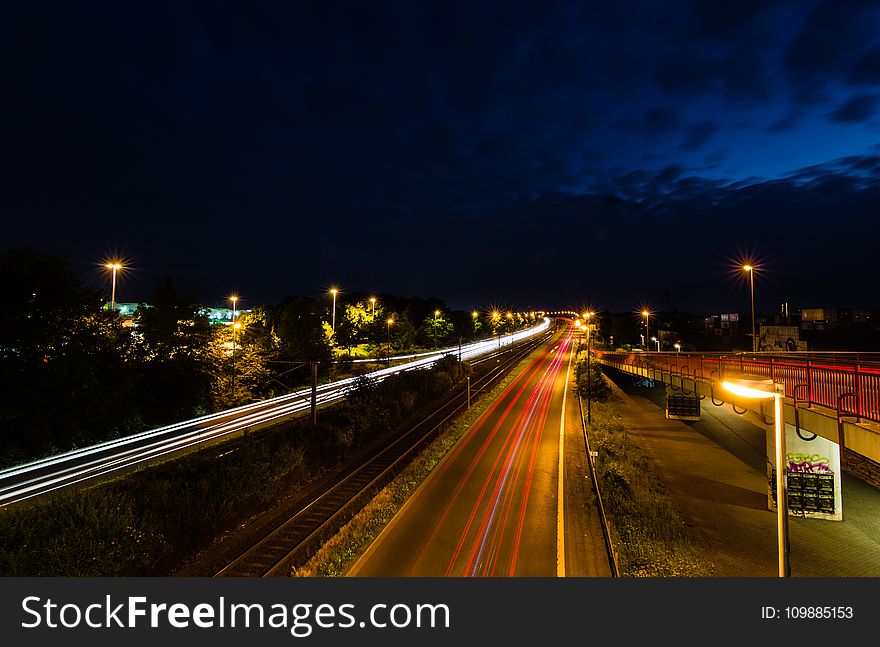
(235, 326)
(113, 267)
(390, 321)
(764, 388)
(646, 314)
(751, 271)
(373, 303)
(587, 316)
(495, 316)
(658, 343)
(333, 291)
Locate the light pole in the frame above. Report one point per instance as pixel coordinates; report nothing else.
(333, 291)
(495, 316)
(658, 343)
(113, 267)
(390, 321)
(588, 316)
(763, 388)
(646, 314)
(373, 303)
(751, 271)
(436, 316)
(235, 326)
(677, 347)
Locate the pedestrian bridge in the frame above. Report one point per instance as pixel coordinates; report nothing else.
(831, 407)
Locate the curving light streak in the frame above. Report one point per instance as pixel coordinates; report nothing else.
(86, 463)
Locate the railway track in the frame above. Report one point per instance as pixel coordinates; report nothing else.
(321, 515)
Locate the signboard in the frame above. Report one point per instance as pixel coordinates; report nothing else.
(813, 468)
(682, 407)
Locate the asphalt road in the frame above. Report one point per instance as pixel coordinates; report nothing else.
(491, 508)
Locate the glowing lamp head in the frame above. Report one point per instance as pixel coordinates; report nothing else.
(236, 326)
(390, 321)
(113, 266)
(645, 313)
(333, 291)
(475, 314)
(750, 386)
(747, 268)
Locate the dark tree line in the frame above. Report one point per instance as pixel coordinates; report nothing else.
(74, 373)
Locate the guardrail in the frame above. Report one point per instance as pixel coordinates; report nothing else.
(846, 382)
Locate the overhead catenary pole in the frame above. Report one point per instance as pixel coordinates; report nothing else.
(313, 413)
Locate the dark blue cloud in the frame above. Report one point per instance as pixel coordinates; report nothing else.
(857, 109)
(334, 137)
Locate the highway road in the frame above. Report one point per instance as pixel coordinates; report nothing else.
(492, 506)
(88, 464)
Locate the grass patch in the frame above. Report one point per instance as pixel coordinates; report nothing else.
(342, 550)
(646, 532)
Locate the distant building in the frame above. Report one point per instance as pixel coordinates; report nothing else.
(840, 318)
(723, 325)
(214, 315)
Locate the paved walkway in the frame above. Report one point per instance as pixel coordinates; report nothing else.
(714, 472)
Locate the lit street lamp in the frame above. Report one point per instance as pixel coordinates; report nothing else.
(751, 271)
(113, 267)
(646, 314)
(333, 291)
(764, 388)
(658, 343)
(677, 347)
(235, 326)
(390, 321)
(373, 303)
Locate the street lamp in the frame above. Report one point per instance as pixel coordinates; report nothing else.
(677, 347)
(333, 291)
(113, 267)
(658, 343)
(373, 303)
(646, 314)
(495, 316)
(751, 271)
(235, 326)
(763, 388)
(390, 321)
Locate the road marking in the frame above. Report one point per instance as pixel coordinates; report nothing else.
(560, 514)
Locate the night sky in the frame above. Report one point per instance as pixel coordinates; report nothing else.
(535, 154)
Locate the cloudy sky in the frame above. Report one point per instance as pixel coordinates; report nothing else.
(538, 154)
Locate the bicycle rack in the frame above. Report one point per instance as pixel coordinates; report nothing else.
(797, 424)
(701, 397)
(720, 403)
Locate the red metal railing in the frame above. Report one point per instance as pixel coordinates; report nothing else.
(849, 383)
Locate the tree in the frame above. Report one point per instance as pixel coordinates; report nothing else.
(436, 329)
(175, 335)
(68, 370)
(299, 331)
